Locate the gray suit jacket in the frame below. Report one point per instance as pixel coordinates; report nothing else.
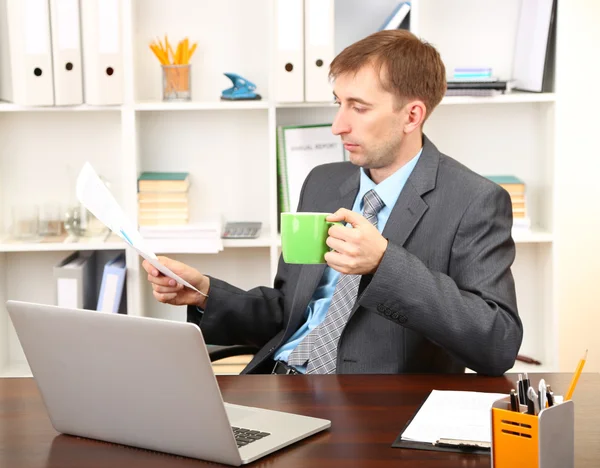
(442, 299)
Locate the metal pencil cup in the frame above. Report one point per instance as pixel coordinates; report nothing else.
(176, 82)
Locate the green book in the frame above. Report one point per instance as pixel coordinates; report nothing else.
(163, 182)
(505, 179)
(163, 175)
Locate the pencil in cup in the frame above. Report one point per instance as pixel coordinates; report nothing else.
(176, 82)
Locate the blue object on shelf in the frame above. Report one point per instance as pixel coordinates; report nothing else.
(241, 90)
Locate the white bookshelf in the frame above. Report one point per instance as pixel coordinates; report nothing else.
(229, 147)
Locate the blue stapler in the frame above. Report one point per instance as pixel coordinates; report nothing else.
(242, 89)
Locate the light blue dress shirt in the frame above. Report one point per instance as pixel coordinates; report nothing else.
(388, 190)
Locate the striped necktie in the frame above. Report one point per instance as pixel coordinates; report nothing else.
(319, 347)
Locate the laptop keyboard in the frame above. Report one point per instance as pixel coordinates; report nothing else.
(246, 436)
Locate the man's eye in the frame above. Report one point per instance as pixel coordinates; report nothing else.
(336, 102)
(360, 110)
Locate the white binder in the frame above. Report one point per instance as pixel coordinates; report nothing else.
(289, 50)
(532, 66)
(66, 52)
(102, 52)
(319, 49)
(76, 281)
(25, 53)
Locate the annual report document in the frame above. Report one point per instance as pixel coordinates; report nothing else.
(94, 195)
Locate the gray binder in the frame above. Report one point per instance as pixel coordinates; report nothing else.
(76, 282)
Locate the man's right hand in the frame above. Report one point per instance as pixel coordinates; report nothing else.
(168, 291)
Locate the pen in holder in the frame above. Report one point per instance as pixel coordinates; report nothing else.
(524, 440)
(176, 82)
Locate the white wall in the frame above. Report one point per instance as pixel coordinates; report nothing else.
(578, 186)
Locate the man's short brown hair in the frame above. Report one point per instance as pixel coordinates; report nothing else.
(408, 67)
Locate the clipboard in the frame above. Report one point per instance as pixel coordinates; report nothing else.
(440, 446)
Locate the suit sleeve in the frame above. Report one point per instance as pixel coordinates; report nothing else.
(472, 311)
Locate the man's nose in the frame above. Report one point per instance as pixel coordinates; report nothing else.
(340, 125)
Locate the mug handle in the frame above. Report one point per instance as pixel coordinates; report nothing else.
(331, 223)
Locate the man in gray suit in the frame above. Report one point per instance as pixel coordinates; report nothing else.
(422, 281)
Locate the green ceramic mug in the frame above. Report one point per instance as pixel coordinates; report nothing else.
(303, 237)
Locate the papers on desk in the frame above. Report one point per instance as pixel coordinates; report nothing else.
(95, 196)
(453, 415)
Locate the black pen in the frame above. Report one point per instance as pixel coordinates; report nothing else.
(514, 403)
(526, 384)
(522, 393)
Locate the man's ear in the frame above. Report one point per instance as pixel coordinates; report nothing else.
(416, 112)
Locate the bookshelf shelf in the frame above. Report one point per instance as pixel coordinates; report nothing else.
(200, 105)
(264, 240)
(9, 107)
(113, 243)
(508, 98)
(307, 105)
(532, 236)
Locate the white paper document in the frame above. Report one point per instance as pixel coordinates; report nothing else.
(453, 415)
(95, 196)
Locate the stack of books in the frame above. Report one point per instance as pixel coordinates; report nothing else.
(516, 189)
(476, 82)
(163, 198)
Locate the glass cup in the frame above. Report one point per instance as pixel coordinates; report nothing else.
(176, 81)
(51, 222)
(25, 222)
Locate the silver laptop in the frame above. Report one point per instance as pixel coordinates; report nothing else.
(146, 383)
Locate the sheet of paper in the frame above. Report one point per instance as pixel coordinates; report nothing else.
(453, 415)
(95, 196)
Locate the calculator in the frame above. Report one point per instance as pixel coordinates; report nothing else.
(241, 230)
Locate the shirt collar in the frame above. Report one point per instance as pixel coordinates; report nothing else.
(388, 188)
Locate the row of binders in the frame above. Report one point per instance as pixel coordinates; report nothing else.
(304, 49)
(77, 277)
(61, 52)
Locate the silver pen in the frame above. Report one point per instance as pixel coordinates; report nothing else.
(542, 394)
(533, 398)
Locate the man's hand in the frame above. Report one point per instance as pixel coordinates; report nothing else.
(357, 251)
(168, 291)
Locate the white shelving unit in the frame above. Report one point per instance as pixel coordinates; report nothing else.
(229, 147)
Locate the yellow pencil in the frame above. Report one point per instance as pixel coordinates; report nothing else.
(192, 49)
(575, 378)
(169, 48)
(159, 54)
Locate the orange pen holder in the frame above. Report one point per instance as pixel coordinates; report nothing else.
(526, 441)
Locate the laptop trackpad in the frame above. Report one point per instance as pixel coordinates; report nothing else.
(237, 413)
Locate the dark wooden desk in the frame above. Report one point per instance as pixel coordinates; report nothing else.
(367, 413)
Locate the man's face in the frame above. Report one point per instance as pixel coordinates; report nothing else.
(370, 125)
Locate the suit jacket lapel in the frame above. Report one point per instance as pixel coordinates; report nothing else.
(410, 206)
(310, 275)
